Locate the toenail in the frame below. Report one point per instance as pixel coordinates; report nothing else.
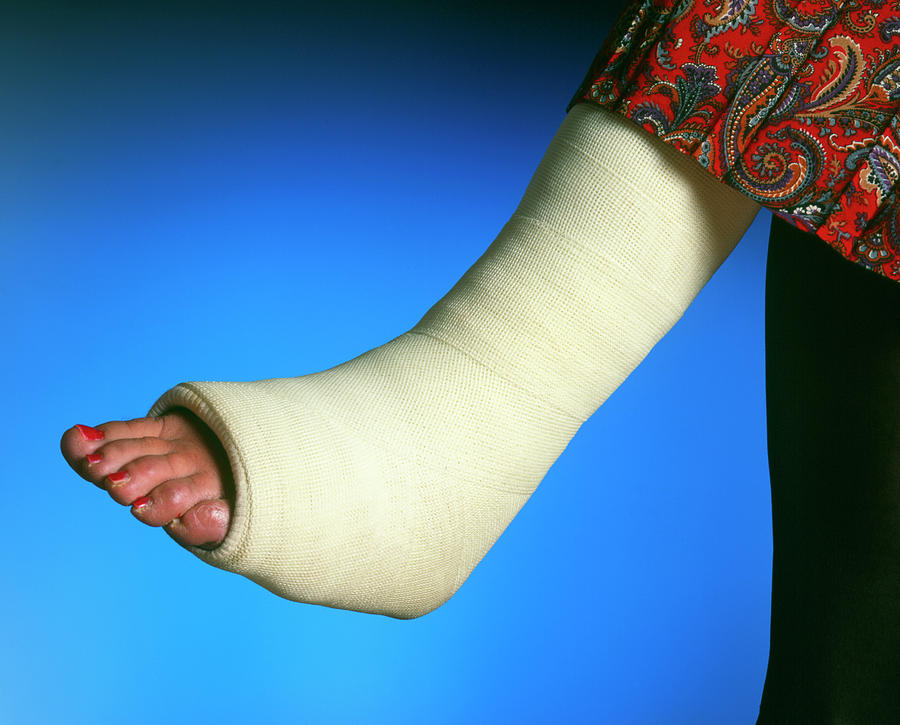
(142, 501)
(93, 458)
(118, 478)
(90, 434)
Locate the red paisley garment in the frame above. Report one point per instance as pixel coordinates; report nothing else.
(792, 102)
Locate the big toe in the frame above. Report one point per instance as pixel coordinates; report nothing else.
(203, 525)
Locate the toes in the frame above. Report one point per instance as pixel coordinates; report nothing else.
(114, 456)
(203, 525)
(169, 469)
(140, 476)
(136, 428)
(80, 441)
(171, 499)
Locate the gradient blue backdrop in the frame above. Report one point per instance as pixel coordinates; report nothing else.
(205, 191)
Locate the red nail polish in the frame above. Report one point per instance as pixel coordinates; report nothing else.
(118, 477)
(142, 501)
(93, 458)
(90, 434)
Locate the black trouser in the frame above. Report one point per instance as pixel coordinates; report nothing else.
(833, 410)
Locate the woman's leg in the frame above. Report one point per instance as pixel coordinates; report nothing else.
(833, 407)
(379, 484)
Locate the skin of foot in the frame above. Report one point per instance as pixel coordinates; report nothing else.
(171, 470)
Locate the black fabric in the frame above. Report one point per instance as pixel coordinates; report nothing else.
(833, 411)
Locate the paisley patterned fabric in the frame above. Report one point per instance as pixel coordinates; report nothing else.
(793, 102)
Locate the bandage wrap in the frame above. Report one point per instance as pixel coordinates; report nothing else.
(379, 484)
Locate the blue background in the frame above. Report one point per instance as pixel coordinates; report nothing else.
(203, 191)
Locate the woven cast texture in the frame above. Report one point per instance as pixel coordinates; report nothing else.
(379, 484)
(614, 236)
